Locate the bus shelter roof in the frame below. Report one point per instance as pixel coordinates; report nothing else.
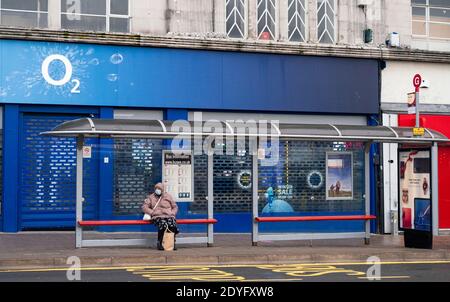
(110, 128)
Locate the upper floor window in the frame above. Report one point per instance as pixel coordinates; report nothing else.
(297, 20)
(326, 21)
(266, 19)
(95, 15)
(24, 13)
(236, 18)
(431, 18)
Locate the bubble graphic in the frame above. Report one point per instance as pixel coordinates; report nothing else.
(89, 51)
(94, 61)
(116, 58)
(112, 77)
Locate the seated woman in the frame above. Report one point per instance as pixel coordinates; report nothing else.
(162, 209)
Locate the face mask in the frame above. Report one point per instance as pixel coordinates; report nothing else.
(158, 192)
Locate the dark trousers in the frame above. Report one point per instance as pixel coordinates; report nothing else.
(161, 236)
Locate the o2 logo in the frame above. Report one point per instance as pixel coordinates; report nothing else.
(67, 74)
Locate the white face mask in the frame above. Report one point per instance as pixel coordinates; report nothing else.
(158, 192)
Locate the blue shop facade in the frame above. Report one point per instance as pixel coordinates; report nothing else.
(43, 84)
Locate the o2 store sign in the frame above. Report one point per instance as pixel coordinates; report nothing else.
(68, 70)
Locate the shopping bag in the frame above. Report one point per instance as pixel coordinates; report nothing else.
(168, 241)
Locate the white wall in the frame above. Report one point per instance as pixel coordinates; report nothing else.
(397, 82)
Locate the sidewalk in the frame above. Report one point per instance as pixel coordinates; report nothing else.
(51, 249)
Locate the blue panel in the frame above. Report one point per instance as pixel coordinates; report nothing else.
(47, 173)
(106, 172)
(10, 172)
(179, 78)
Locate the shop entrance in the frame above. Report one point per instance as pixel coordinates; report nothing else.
(47, 173)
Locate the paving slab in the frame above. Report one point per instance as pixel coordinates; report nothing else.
(52, 249)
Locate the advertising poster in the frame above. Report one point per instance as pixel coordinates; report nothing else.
(177, 175)
(339, 175)
(414, 190)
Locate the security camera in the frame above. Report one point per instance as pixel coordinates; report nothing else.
(425, 84)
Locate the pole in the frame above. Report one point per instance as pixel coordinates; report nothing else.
(79, 192)
(210, 196)
(417, 108)
(434, 190)
(255, 196)
(367, 190)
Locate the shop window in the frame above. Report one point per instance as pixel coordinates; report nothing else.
(297, 20)
(232, 192)
(267, 19)
(137, 168)
(312, 177)
(24, 13)
(326, 21)
(95, 15)
(236, 18)
(431, 18)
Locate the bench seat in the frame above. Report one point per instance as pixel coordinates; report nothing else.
(313, 218)
(86, 223)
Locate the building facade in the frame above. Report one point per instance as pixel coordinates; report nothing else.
(429, 30)
(299, 61)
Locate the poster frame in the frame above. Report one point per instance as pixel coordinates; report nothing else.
(327, 197)
(192, 199)
(399, 207)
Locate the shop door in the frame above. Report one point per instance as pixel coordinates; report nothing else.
(48, 175)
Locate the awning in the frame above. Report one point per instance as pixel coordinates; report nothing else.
(110, 128)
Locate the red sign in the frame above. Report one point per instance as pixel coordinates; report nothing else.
(417, 80)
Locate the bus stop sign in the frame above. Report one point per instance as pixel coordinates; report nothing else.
(417, 80)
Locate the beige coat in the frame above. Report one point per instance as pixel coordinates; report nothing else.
(166, 208)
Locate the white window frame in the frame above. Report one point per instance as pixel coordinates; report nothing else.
(37, 12)
(276, 21)
(107, 16)
(245, 33)
(427, 21)
(306, 22)
(335, 23)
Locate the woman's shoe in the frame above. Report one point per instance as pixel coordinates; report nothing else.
(159, 246)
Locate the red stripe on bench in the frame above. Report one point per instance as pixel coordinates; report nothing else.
(140, 222)
(314, 218)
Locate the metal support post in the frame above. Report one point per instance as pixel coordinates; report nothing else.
(79, 192)
(434, 190)
(210, 197)
(255, 195)
(367, 189)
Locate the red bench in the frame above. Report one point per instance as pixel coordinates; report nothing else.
(87, 223)
(314, 218)
(80, 242)
(305, 236)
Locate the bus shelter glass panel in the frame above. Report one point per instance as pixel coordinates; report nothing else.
(140, 163)
(313, 178)
(231, 179)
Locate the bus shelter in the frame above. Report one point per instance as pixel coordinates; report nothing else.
(259, 137)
